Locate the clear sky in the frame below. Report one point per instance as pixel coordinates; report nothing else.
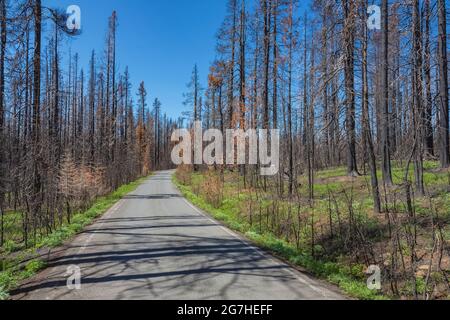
(159, 40)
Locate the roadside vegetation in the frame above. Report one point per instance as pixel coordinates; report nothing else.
(337, 235)
(19, 262)
(69, 138)
(364, 152)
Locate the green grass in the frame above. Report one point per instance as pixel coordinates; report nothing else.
(332, 173)
(10, 272)
(12, 230)
(238, 208)
(11, 277)
(350, 279)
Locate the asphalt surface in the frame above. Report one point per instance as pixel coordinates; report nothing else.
(154, 245)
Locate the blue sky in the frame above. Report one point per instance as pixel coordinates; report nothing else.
(159, 40)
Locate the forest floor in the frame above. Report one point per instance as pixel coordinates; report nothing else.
(338, 236)
(18, 262)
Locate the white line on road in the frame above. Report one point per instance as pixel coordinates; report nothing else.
(111, 211)
(262, 254)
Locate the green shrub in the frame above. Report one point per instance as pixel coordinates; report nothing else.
(7, 281)
(10, 246)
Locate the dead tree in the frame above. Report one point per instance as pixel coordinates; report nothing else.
(444, 141)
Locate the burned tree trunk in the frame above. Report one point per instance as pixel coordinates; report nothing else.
(349, 63)
(385, 146)
(444, 147)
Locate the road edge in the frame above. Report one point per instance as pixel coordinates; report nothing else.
(265, 252)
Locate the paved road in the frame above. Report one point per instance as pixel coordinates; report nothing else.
(154, 245)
